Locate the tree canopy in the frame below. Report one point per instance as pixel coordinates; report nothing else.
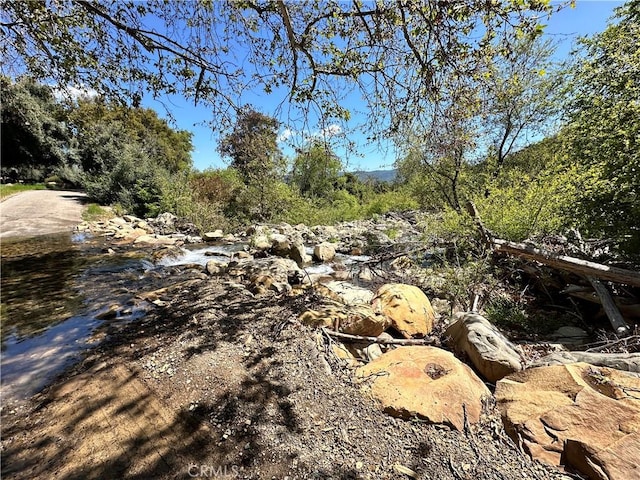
(315, 170)
(34, 134)
(603, 133)
(520, 99)
(90, 118)
(252, 147)
(398, 55)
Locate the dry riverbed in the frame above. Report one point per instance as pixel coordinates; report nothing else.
(220, 383)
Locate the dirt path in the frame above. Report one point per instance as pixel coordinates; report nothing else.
(40, 212)
(107, 423)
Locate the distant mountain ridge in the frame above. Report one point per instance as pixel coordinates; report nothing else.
(380, 175)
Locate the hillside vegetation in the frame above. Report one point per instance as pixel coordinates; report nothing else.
(539, 148)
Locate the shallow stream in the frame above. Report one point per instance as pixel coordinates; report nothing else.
(56, 290)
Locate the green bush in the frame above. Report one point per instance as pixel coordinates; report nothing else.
(523, 205)
(181, 198)
(134, 183)
(448, 226)
(95, 212)
(507, 313)
(465, 279)
(70, 175)
(393, 201)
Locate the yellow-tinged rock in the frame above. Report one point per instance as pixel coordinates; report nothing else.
(342, 353)
(352, 319)
(577, 414)
(154, 240)
(426, 382)
(407, 307)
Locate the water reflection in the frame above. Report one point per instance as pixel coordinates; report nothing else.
(55, 290)
(37, 284)
(27, 366)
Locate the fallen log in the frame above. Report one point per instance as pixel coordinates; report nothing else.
(627, 306)
(630, 342)
(628, 310)
(581, 267)
(610, 308)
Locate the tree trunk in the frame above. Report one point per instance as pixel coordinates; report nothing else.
(581, 267)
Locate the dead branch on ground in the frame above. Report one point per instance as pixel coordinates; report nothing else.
(382, 341)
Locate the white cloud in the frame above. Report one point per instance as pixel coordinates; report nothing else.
(286, 134)
(330, 130)
(73, 92)
(306, 136)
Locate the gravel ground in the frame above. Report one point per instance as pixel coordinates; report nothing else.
(219, 383)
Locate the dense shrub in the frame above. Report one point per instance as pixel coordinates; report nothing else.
(34, 136)
(525, 205)
(134, 182)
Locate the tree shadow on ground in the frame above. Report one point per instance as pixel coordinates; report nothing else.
(102, 420)
(109, 424)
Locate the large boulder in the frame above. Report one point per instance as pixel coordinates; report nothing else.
(167, 223)
(214, 236)
(345, 292)
(280, 245)
(352, 319)
(154, 240)
(493, 355)
(569, 335)
(578, 415)
(214, 267)
(129, 234)
(260, 241)
(407, 307)
(271, 273)
(426, 382)
(324, 252)
(298, 253)
(144, 225)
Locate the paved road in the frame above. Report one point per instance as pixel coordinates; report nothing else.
(40, 212)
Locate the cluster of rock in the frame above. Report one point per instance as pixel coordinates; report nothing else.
(553, 408)
(578, 415)
(405, 380)
(354, 238)
(574, 409)
(566, 413)
(408, 381)
(165, 229)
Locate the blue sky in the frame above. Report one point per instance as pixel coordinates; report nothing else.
(586, 18)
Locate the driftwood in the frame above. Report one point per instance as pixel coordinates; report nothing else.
(382, 341)
(627, 343)
(581, 267)
(592, 271)
(584, 268)
(610, 308)
(586, 293)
